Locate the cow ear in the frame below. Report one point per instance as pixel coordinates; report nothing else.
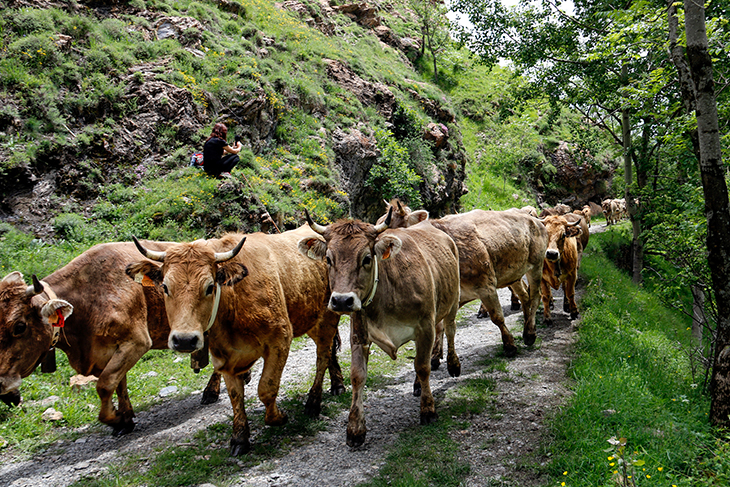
(416, 217)
(146, 273)
(14, 277)
(53, 306)
(388, 246)
(313, 247)
(573, 231)
(230, 274)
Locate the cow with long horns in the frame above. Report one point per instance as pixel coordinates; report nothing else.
(251, 300)
(395, 284)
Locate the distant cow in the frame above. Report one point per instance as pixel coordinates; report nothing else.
(610, 211)
(559, 209)
(395, 284)
(561, 262)
(496, 248)
(252, 301)
(530, 210)
(114, 322)
(585, 212)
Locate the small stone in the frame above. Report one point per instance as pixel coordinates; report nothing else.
(168, 391)
(79, 382)
(151, 373)
(51, 414)
(50, 401)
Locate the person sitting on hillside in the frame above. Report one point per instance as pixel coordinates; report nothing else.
(215, 163)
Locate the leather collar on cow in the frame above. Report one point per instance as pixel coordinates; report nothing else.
(216, 304)
(371, 296)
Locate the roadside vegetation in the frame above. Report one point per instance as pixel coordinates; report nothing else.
(638, 415)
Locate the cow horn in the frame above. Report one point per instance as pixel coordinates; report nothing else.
(313, 225)
(150, 254)
(400, 208)
(577, 222)
(383, 226)
(224, 256)
(35, 289)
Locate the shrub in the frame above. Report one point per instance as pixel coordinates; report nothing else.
(391, 175)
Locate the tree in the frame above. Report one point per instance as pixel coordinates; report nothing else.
(434, 27)
(717, 206)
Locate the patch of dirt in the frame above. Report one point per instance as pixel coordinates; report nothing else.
(500, 444)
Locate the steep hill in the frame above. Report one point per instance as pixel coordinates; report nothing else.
(101, 105)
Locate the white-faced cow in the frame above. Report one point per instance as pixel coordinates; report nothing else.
(395, 285)
(252, 300)
(114, 322)
(561, 262)
(496, 248)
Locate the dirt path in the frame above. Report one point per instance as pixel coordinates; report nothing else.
(497, 443)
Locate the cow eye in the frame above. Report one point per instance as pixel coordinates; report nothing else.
(366, 261)
(19, 329)
(164, 289)
(209, 290)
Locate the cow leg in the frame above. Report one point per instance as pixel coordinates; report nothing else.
(240, 439)
(438, 346)
(323, 335)
(422, 364)
(515, 303)
(482, 313)
(274, 360)
(212, 391)
(111, 378)
(453, 364)
(547, 296)
(491, 302)
(569, 287)
(337, 381)
(529, 308)
(360, 348)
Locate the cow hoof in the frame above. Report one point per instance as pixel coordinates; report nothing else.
(281, 420)
(566, 306)
(313, 407)
(482, 314)
(454, 369)
(435, 363)
(428, 418)
(547, 321)
(240, 447)
(529, 339)
(12, 398)
(354, 441)
(515, 306)
(247, 377)
(209, 397)
(417, 389)
(510, 350)
(337, 390)
(123, 429)
(574, 316)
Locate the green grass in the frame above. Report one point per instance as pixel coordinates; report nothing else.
(23, 429)
(632, 379)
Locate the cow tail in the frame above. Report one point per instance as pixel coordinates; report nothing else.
(336, 343)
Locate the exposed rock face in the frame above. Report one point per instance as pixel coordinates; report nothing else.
(579, 177)
(355, 155)
(253, 117)
(369, 94)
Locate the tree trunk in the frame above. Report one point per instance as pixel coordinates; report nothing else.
(637, 246)
(717, 207)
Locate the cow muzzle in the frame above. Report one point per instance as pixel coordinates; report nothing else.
(9, 384)
(185, 342)
(344, 303)
(552, 255)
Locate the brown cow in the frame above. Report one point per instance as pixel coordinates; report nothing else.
(496, 248)
(607, 206)
(561, 262)
(114, 322)
(559, 209)
(395, 284)
(252, 304)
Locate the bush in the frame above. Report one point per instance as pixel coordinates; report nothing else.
(392, 176)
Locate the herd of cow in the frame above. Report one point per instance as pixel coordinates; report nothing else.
(402, 279)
